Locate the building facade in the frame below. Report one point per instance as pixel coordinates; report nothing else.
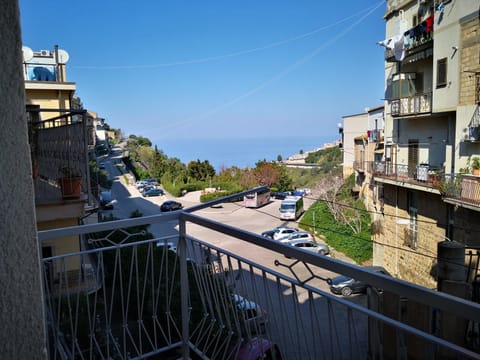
(431, 87)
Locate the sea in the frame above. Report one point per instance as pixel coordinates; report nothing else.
(239, 152)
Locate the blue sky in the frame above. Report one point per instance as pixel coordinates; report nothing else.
(217, 69)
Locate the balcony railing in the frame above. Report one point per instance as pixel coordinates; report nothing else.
(413, 105)
(463, 188)
(417, 43)
(57, 143)
(132, 299)
(421, 174)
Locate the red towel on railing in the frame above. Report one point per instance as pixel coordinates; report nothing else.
(429, 24)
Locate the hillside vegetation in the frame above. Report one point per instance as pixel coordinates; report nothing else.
(336, 216)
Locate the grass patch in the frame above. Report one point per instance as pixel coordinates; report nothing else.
(358, 247)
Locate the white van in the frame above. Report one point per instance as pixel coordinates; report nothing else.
(291, 208)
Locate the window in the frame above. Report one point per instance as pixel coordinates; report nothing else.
(403, 85)
(442, 72)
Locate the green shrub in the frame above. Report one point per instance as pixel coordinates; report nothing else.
(217, 195)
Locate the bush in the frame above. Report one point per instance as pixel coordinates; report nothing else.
(217, 195)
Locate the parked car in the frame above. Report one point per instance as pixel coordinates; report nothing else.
(346, 286)
(309, 245)
(297, 235)
(252, 315)
(153, 192)
(257, 349)
(101, 165)
(279, 232)
(106, 201)
(280, 195)
(145, 187)
(170, 205)
(298, 192)
(140, 183)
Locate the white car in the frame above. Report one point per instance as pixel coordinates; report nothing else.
(298, 235)
(140, 183)
(282, 231)
(310, 245)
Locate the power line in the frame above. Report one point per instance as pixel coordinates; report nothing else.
(233, 54)
(391, 215)
(370, 240)
(276, 77)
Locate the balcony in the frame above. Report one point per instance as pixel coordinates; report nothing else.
(462, 190)
(133, 298)
(58, 144)
(412, 105)
(421, 176)
(417, 44)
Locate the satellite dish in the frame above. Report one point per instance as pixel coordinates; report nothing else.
(63, 56)
(27, 53)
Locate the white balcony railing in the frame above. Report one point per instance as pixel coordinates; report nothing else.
(412, 105)
(126, 298)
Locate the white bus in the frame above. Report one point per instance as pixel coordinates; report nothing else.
(291, 208)
(257, 199)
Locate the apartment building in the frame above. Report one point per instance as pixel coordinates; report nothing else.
(429, 198)
(60, 139)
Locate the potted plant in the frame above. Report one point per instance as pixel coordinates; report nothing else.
(475, 164)
(70, 183)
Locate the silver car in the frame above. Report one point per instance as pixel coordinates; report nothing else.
(309, 245)
(298, 235)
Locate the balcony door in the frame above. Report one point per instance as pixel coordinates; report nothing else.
(412, 158)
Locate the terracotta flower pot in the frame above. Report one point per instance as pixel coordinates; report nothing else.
(71, 187)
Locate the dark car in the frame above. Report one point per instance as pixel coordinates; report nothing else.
(106, 201)
(171, 205)
(280, 195)
(153, 192)
(346, 286)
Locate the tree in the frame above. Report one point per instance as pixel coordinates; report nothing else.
(266, 173)
(247, 179)
(231, 174)
(200, 171)
(279, 158)
(329, 189)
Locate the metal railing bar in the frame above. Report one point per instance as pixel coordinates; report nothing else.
(420, 294)
(104, 226)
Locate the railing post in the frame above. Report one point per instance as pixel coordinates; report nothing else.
(182, 258)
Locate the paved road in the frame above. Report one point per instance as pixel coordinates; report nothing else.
(254, 220)
(258, 220)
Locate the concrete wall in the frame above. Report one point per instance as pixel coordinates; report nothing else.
(448, 43)
(353, 126)
(21, 304)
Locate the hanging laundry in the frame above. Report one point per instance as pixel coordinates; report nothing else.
(388, 43)
(399, 47)
(429, 24)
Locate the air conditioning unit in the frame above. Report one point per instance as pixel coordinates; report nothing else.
(45, 52)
